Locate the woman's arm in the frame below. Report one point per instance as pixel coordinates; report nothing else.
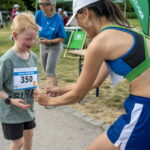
(92, 63)
(54, 41)
(57, 40)
(57, 91)
(102, 75)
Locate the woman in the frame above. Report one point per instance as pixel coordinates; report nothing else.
(51, 34)
(125, 52)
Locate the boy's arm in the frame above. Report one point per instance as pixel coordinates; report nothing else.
(3, 94)
(12, 101)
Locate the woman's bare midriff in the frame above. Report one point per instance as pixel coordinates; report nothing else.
(141, 85)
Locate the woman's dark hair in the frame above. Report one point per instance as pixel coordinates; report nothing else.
(108, 9)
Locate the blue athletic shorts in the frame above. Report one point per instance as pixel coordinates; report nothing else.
(131, 131)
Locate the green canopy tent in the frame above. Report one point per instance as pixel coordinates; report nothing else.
(141, 8)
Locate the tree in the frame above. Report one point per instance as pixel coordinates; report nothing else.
(30, 4)
(7, 5)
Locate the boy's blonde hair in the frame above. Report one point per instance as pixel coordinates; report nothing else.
(22, 22)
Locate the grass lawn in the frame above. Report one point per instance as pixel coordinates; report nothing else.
(107, 107)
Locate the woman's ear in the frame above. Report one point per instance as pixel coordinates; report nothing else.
(86, 12)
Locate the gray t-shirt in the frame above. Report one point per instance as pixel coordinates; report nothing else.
(18, 78)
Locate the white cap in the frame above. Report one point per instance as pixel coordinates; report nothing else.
(59, 9)
(77, 5)
(16, 6)
(65, 13)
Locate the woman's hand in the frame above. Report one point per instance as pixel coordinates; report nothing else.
(20, 103)
(44, 41)
(53, 91)
(41, 98)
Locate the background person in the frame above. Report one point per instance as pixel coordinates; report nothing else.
(15, 11)
(51, 34)
(18, 71)
(65, 17)
(102, 19)
(60, 12)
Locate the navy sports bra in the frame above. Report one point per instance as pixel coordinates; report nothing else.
(130, 64)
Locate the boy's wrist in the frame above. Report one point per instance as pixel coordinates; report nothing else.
(8, 100)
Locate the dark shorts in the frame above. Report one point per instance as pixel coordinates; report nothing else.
(15, 131)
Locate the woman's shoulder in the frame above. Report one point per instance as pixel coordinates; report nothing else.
(98, 44)
(57, 16)
(110, 43)
(113, 36)
(38, 13)
(104, 37)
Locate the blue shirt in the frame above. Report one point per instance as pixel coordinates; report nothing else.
(50, 27)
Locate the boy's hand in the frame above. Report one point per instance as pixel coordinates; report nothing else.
(20, 103)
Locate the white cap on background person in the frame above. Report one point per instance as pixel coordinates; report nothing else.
(77, 5)
(16, 6)
(65, 13)
(59, 9)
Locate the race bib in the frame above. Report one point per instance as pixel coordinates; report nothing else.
(25, 78)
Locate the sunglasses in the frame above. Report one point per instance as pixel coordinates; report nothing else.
(44, 4)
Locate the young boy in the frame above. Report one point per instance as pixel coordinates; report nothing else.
(18, 79)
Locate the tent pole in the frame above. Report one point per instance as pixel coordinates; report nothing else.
(125, 7)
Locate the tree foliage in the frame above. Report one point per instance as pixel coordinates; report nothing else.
(7, 5)
(31, 5)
